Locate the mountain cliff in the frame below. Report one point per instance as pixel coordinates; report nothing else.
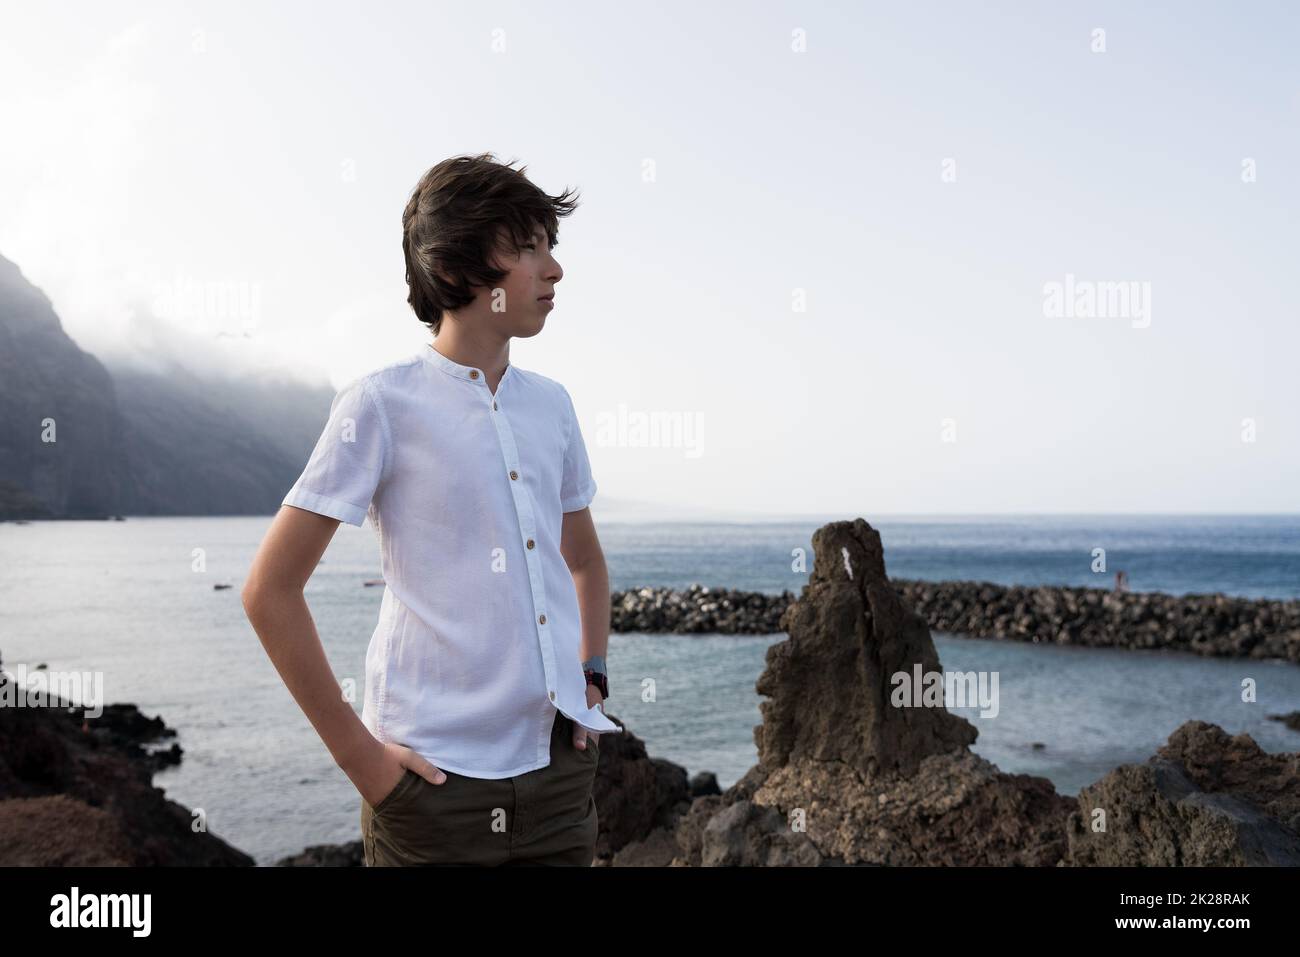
(79, 439)
(60, 431)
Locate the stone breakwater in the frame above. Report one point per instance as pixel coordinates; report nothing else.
(1214, 625)
(698, 610)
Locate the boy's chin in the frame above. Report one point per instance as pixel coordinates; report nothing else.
(526, 330)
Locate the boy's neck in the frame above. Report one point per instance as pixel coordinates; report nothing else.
(492, 358)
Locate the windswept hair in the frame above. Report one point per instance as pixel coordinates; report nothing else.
(462, 214)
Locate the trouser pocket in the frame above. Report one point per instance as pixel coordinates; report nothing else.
(464, 820)
(410, 780)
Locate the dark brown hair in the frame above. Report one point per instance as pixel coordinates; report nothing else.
(462, 213)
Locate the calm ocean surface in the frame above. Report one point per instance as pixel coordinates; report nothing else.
(135, 601)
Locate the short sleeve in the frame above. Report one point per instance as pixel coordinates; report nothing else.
(577, 488)
(346, 467)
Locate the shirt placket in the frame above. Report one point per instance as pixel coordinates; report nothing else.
(527, 531)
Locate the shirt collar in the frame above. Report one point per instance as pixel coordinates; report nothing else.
(473, 373)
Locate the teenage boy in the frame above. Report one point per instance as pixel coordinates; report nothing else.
(485, 678)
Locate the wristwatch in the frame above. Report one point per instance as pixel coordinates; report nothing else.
(594, 671)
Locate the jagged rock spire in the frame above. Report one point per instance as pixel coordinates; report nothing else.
(829, 685)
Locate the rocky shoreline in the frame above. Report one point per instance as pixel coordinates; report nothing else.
(1213, 625)
(77, 790)
(846, 776)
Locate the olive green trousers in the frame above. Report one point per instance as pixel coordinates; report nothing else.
(542, 817)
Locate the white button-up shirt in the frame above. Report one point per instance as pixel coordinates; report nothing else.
(479, 634)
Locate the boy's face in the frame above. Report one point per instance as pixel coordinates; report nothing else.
(516, 307)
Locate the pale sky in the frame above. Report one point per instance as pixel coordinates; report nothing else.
(772, 247)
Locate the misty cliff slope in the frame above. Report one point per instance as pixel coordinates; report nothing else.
(132, 441)
(50, 389)
(194, 448)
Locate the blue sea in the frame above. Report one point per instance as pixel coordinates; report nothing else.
(135, 601)
(1251, 556)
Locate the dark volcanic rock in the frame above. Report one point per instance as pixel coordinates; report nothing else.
(78, 790)
(703, 784)
(634, 792)
(828, 684)
(351, 854)
(1206, 799)
(1291, 720)
(844, 777)
(61, 831)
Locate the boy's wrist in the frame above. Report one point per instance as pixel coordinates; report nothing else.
(356, 751)
(593, 669)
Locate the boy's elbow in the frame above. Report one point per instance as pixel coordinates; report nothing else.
(255, 596)
(249, 595)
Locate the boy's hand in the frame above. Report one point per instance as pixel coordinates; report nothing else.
(594, 697)
(385, 766)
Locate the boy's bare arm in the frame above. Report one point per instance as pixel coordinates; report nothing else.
(274, 602)
(582, 553)
(276, 608)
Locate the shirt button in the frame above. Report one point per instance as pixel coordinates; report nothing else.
(513, 474)
(494, 406)
(531, 543)
(473, 373)
(552, 695)
(542, 619)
